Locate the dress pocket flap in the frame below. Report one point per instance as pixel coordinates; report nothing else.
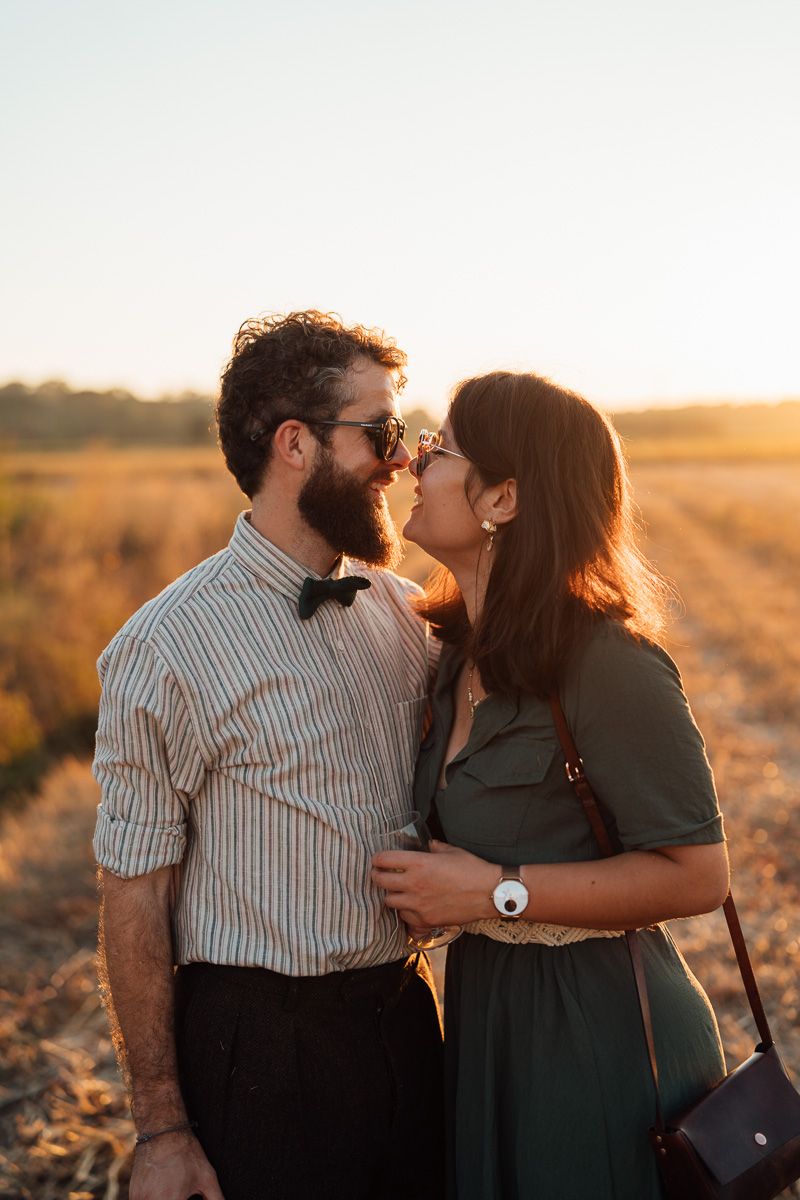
(511, 762)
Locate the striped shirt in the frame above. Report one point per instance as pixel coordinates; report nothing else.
(263, 754)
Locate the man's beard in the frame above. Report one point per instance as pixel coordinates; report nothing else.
(352, 518)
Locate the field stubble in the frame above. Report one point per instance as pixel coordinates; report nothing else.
(86, 538)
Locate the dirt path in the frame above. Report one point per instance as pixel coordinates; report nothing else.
(64, 1128)
(717, 533)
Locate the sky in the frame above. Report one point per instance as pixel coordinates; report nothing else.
(602, 191)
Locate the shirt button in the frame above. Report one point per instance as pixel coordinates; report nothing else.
(340, 644)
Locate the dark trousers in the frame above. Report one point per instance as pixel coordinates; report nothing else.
(315, 1088)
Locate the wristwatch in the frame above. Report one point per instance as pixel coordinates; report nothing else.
(511, 896)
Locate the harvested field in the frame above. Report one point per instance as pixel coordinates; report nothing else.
(727, 534)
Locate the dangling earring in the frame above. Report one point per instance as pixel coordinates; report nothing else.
(491, 528)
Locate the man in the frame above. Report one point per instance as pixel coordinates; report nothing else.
(258, 730)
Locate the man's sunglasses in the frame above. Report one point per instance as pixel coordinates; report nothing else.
(428, 445)
(384, 435)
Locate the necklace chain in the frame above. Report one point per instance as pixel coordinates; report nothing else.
(473, 703)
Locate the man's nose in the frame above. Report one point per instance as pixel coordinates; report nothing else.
(401, 457)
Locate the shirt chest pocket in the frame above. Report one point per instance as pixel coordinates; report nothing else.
(495, 789)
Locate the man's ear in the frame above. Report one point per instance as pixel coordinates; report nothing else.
(501, 502)
(294, 444)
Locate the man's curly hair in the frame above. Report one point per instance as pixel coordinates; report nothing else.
(290, 366)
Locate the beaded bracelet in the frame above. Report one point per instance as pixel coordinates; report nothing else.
(148, 1137)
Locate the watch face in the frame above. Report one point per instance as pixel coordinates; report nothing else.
(510, 897)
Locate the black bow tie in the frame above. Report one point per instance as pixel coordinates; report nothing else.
(315, 591)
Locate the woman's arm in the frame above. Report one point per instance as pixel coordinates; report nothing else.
(451, 886)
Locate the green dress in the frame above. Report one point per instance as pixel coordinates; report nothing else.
(549, 1090)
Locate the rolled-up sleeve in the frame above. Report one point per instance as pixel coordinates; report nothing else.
(147, 762)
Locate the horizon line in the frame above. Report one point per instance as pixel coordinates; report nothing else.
(638, 404)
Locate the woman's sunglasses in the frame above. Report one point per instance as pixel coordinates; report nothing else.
(428, 445)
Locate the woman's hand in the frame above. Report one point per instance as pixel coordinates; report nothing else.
(447, 886)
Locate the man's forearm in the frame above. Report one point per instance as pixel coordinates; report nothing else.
(136, 956)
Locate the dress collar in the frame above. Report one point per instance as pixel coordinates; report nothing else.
(275, 567)
(491, 716)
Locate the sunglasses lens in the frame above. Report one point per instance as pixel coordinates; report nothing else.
(389, 439)
(425, 444)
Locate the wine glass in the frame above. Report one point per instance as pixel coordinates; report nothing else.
(408, 831)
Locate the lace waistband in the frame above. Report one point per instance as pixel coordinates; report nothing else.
(519, 932)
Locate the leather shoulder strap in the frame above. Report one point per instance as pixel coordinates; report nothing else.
(573, 765)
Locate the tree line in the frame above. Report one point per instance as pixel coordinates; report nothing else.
(53, 415)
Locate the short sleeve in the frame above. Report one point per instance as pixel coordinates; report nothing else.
(146, 762)
(642, 751)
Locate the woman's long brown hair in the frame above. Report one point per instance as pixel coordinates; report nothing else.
(569, 557)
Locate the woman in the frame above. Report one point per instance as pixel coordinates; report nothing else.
(523, 499)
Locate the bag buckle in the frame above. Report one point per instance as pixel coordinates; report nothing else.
(576, 775)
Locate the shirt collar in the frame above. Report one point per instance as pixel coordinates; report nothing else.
(275, 567)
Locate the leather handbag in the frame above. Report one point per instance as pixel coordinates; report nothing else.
(741, 1141)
